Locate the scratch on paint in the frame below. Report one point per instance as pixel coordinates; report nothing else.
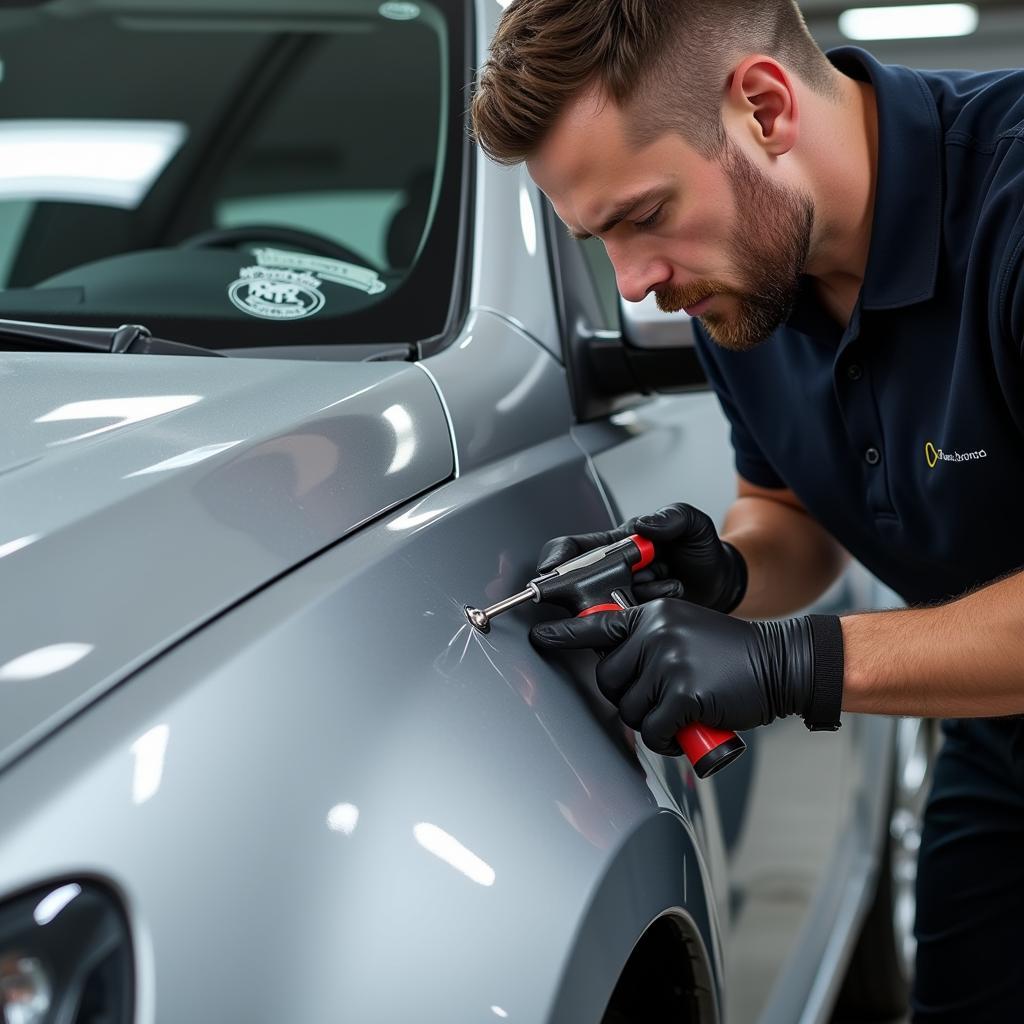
(483, 644)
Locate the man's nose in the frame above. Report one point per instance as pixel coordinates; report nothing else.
(636, 278)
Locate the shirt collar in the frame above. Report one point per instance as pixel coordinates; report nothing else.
(906, 227)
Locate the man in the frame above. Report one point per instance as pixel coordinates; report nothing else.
(851, 237)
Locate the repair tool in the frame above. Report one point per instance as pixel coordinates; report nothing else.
(599, 581)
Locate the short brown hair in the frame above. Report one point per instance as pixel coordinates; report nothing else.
(672, 57)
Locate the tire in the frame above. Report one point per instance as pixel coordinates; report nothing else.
(877, 982)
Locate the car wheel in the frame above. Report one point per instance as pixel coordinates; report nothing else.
(877, 983)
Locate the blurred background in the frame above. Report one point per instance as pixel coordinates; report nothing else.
(983, 34)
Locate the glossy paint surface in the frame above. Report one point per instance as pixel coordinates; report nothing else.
(140, 495)
(359, 787)
(504, 391)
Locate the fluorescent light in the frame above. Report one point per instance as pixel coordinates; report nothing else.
(109, 163)
(918, 21)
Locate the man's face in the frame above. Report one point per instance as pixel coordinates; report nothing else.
(717, 238)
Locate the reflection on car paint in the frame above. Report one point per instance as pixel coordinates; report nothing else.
(343, 818)
(189, 458)
(414, 519)
(43, 662)
(126, 411)
(446, 847)
(528, 220)
(150, 751)
(405, 437)
(53, 903)
(16, 545)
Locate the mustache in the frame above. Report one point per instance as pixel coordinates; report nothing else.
(673, 298)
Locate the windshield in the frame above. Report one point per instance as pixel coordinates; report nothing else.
(232, 172)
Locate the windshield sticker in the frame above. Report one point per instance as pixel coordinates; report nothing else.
(336, 271)
(276, 294)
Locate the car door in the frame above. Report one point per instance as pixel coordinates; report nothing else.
(785, 809)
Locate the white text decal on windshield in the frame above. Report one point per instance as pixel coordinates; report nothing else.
(326, 269)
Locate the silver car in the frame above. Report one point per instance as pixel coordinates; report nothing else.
(290, 376)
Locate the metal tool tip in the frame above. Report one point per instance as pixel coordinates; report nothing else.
(478, 619)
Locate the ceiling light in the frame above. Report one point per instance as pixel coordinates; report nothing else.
(918, 21)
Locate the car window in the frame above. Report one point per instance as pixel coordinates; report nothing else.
(232, 173)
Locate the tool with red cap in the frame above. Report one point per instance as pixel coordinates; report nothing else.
(599, 581)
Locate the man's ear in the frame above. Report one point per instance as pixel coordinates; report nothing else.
(762, 97)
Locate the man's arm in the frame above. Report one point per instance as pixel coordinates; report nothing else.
(962, 659)
(791, 559)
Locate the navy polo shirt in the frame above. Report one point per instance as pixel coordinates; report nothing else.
(903, 434)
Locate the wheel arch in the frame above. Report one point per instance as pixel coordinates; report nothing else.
(652, 904)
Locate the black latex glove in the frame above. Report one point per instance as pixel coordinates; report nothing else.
(691, 560)
(671, 662)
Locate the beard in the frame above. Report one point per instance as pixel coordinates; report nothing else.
(769, 245)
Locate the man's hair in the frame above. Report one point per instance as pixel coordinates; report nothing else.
(667, 62)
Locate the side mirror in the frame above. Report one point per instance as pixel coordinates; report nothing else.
(645, 326)
(660, 347)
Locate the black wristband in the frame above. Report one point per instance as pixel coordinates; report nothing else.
(827, 690)
(739, 580)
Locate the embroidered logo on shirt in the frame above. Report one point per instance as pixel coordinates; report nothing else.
(934, 455)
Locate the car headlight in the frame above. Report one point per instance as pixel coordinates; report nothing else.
(65, 955)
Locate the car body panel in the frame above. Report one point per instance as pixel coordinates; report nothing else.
(514, 278)
(142, 495)
(503, 390)
(321, 839)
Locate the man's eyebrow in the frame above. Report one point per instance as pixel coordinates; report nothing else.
(620, 212)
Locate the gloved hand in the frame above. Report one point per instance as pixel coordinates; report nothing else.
(672, 662)
(690, 561)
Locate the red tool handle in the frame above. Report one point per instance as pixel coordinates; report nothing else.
(707, 749)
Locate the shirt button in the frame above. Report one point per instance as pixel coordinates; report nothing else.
(854, 372)
(873, 456)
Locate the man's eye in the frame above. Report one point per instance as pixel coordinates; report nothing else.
(649, 222)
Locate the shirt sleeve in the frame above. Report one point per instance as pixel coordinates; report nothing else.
(751, 463)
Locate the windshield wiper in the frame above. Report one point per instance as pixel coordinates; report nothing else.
(128, 338)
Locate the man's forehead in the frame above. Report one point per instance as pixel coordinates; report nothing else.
(589, 171)
(588, 135)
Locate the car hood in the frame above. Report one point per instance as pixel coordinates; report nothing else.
(141, 495)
